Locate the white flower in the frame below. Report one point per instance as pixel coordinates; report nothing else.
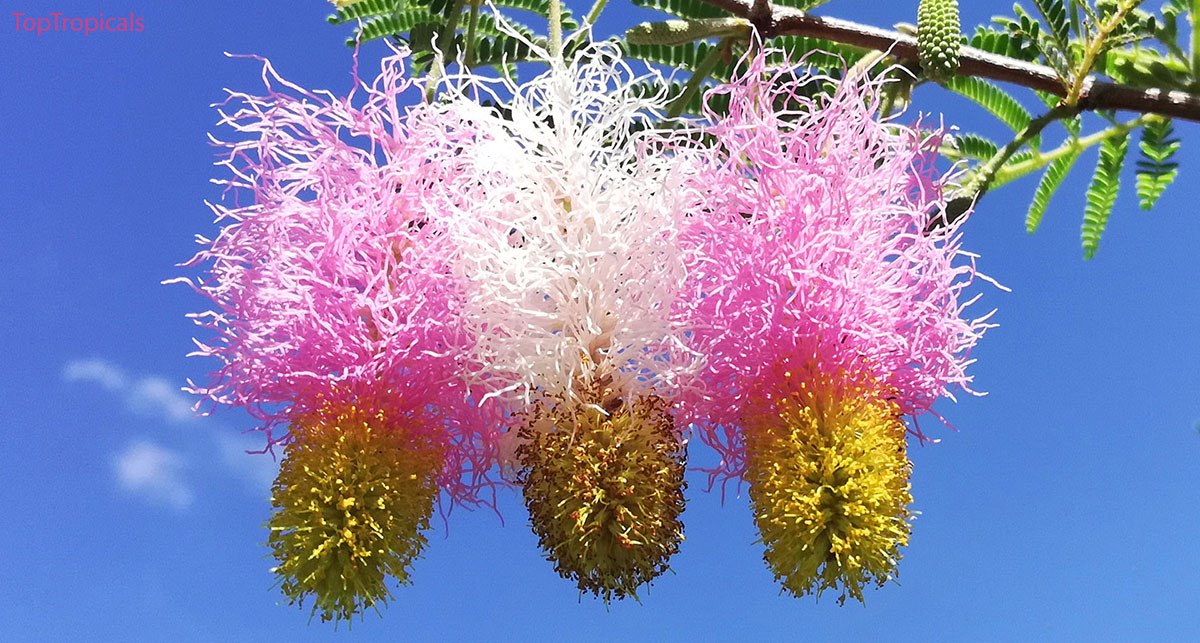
(567, 224)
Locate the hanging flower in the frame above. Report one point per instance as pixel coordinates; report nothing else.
(568, 228)
(829, 312)
(335, 313)
(355, 491)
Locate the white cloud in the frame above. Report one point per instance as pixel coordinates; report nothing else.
(153, 473)
(157, 397)
(153, 397)
(97, 371)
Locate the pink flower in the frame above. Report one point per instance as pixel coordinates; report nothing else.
(816, 251)
(333, 276)
(827, 312)
(336, 312)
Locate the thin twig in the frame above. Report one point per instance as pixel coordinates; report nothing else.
(981, 178)
(556, 39)
(1017, 170)
(702, 71)
(1095, 94)
(469, 44)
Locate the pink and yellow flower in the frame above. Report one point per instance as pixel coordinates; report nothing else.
(335, 312)
(828, 312)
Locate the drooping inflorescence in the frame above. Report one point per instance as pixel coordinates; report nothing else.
(827, 312)
(355, 491)
(604, 487)
(542, 285)
(568, 225)
(828, 475)
(336, 317)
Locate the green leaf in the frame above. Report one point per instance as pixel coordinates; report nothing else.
(1136, 24)
(683, 8)
(824, 55)
(393, 25)
(1055, 14)
(995, 100)
(1047, 186)
(686, 56)
(1145, 67)
(1155, 170)
(1102, 193)
(1004, 43)
(803, 5)
(1023, 26)
(974, 146)
(541, 8)
(364, 9)
(486, 25)
(1057, 58)
(420, 40)
(501, 50)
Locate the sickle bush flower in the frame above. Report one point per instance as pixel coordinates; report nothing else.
(568, 228)
(829, 313)
(355, 490)
(335, 313)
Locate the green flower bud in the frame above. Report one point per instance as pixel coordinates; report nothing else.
(939, 37)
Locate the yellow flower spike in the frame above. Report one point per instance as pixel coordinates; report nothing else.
(353, 494)
(604, 490)
(829, 487)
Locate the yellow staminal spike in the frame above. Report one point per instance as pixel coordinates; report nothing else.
(604, 490)
(353, 495)
(829, 487)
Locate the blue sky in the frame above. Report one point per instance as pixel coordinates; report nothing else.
(1063, 508)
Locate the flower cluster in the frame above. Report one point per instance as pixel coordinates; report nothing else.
(829, 307)
(542, 285)
(336, 315)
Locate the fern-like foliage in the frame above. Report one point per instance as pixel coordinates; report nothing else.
(1102, 192)
(424, 25)
(1003, 43)
(1055, 14)
(1156, 170)
(1147, 68)
(803, 5)
(687, 56)
(486, 25)
(975, 147)
(995, 100)
(540, 8)
(364, 9)
(825, 55)
(393, 24)
(1047, 186)
(500, 50)
(684, 9)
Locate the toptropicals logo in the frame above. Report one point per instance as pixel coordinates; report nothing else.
(56, 21)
